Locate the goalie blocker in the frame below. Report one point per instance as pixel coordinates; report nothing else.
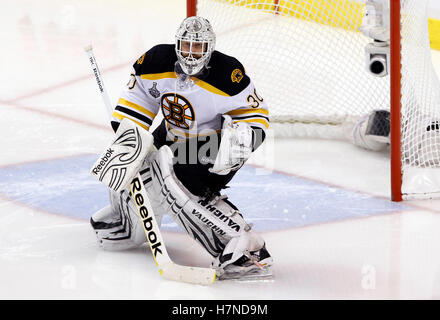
(123, 158)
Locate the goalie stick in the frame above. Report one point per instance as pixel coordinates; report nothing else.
(167, 267)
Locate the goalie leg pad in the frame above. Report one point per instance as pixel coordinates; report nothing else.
(213, 222)
(371, 132)
(117, 226)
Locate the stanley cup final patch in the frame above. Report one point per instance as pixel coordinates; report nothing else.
(153, 91)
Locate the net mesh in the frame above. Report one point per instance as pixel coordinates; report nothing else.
(307, 58)
(420, 103)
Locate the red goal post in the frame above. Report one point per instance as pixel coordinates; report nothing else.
(395, 101)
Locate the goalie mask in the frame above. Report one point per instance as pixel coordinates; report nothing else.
(195, 42)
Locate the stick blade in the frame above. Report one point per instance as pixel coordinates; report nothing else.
(194, 275)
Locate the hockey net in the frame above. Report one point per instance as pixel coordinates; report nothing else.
(307, 59)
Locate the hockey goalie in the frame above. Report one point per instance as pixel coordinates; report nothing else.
(213, 119)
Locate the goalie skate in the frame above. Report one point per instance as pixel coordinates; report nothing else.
(253, 266)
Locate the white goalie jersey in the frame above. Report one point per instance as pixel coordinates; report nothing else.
(191, 106)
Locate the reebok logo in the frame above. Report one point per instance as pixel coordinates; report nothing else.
(147, 220)
(103, 161)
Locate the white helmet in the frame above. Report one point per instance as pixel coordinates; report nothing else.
(194, 30)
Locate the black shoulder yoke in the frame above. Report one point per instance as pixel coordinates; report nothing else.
(226, 73)
(159, 59)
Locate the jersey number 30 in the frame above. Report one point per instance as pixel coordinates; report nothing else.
(254, 99)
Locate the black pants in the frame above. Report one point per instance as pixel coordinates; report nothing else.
(189, 169)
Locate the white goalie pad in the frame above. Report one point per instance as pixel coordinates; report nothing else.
(123, 158)
(212, 229)
(215, 223)
(357, 131)
(117, 226)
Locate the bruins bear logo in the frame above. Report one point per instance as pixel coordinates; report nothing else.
(141, 59)
(236, 75)
(177, 110)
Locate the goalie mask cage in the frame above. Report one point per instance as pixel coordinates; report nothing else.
(307, 58)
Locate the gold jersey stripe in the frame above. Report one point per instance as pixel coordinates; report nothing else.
(158, 76)
(137, 107)
(172, 75)
(251, 117)
(264, 122)
(120, 116)
(247, 111)
(210, 88)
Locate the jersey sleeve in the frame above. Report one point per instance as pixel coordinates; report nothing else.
(251, 108)
(238, 96)
(135, 104)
